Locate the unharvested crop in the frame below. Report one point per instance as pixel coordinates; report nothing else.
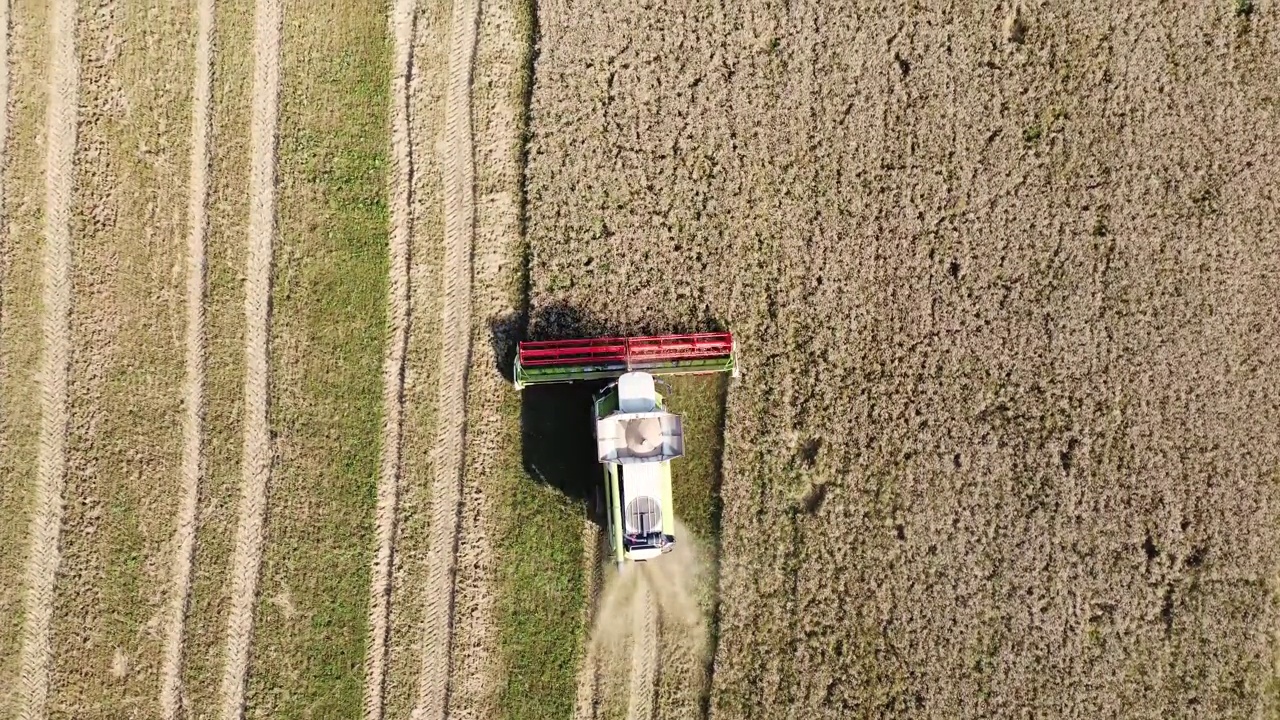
(1000, 445)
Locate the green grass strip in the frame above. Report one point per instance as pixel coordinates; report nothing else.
(329, 295)
(541, 588)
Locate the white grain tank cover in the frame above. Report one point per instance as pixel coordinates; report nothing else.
(636, 393)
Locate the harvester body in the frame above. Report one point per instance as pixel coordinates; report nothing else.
(636, 437)
(636, 440)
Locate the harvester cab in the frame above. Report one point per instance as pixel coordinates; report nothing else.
(636, 437)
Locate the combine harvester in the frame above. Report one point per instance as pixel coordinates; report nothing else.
(636, 438)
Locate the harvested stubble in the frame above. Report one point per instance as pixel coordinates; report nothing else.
(458, 161)
(328, 322)
(684, 681)
(497, 251)
(400, 196)
(649, 635)
(429, 70)
(193, 409)
(257, 458)
(204, 631)
(26, 60)
(1006, 307)
(126, 113)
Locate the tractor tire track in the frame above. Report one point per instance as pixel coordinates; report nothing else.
(455, 356)
(644, 655)
(8, 595)
(586, 702)
(55, 359)
(401, 231)
(476, 662)
(256, 468)
(184, 539)
(4, 135)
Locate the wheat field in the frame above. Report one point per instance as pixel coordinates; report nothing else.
(1004, 280)
(230, 246)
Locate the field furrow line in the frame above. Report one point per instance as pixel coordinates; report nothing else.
(588, 683)
(184, 539)
(4, 130)
(455, 356)
(5, 243)
(644, 655)
(256, 466)
(7, 594)
(401, 230)
(55, 359)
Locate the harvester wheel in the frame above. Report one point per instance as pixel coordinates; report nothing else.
(597, 504)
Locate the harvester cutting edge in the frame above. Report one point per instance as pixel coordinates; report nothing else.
(556, 361)
(636, 437)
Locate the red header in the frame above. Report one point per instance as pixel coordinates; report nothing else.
(624, 350)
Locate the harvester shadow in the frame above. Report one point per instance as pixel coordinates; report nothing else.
(556, 435)
(556, 421)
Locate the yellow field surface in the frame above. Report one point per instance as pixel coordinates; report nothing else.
(22, 194)
(1002, 279)
(204, 626)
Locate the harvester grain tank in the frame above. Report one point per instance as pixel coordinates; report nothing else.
(636, 436)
